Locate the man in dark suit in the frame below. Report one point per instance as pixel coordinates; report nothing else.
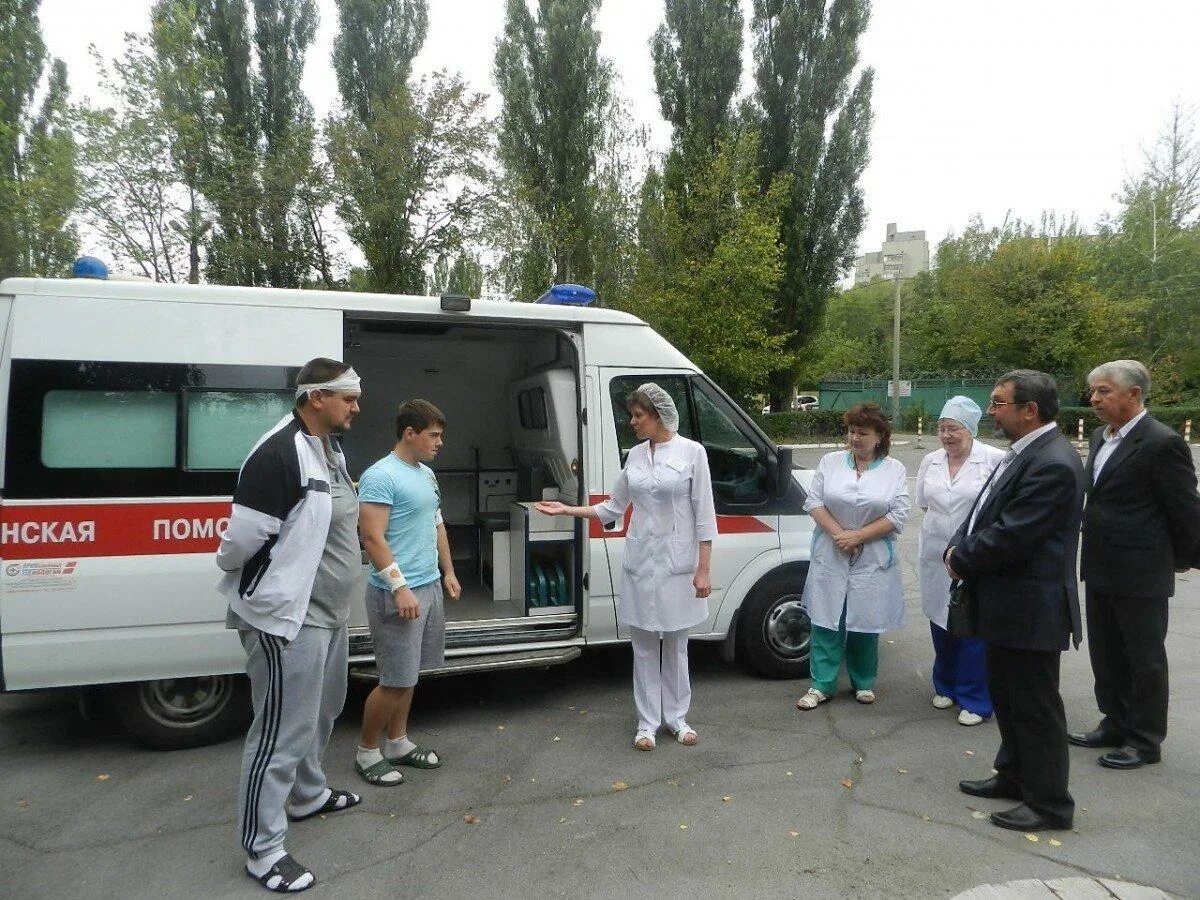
(1141, 524)
(1016, 551)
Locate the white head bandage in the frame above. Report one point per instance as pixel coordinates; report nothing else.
(346, 383)
(663, 405)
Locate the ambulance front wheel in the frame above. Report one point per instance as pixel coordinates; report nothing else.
(774, 634)
(176, 713)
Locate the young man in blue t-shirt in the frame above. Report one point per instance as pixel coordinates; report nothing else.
(400, 521)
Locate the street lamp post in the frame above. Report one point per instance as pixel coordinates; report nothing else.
(896, 344)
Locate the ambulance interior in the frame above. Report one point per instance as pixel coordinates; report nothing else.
(510, 397)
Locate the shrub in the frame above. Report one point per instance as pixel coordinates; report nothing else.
(792, 427)
(1171, 416)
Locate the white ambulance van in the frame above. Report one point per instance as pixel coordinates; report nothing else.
(127, 408)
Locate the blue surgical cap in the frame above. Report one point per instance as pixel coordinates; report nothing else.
(964, 410)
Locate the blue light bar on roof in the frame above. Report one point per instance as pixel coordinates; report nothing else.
(568, 295)
(89, 267)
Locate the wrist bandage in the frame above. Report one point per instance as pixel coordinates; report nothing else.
(393, 578)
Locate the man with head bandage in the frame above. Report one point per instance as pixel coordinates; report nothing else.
(292, 561)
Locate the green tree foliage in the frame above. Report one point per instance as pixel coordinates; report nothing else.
(414, 178)
(38, 179)
(133, 199)
(374, 50)
(462, 275)
(554, 88)
(815, 123)
(714, 302)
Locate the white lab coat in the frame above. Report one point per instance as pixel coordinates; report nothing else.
(673, 511)
(946, 503)
(870, 590)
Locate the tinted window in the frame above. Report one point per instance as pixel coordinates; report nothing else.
(108, 430)
(222, 426)
(738, 465)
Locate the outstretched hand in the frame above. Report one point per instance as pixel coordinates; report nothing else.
(551, 508)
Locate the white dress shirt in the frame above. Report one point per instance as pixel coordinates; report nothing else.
(1015, 451)
(1111, 440)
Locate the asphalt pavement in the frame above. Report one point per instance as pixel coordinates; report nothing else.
(541, 792)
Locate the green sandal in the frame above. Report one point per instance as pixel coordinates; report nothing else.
(373, 774)
(418, 758)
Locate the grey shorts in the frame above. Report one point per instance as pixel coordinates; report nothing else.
(405, 646)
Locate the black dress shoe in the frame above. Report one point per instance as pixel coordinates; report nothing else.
(1129, 758)
(1022, 818)
(994, 787)
(1097, 737)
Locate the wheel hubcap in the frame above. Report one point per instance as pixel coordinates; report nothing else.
(177, 702)
(787, 627)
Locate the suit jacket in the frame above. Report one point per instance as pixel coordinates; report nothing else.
(1142, 518)
(1020, 557)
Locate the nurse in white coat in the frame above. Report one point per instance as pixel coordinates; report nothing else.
(859, 501)
(948, 481)
(666, 582)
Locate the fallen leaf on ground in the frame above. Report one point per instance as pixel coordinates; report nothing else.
(499, 727)
(1033, 838)
(392, 816)
(562, 821)
(570, 707)
(533, 781)
(902, 771)
(1054, 842)
(102, 778)
(891, 641)
(471, 820)
(578, 801)
(24, 804)
(583, 712)
(672, 783)
(789, 774)
(187, 798)
(794, 833)
(508, 779)
(979, 814)
(846, 782)
(1084, 808)
(726, 799)
(969, 752)
(683, 827)
(926, 819)
(556, 739)
(620, 786)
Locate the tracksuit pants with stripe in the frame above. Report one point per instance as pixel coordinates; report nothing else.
(298, 688)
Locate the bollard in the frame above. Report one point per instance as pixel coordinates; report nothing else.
(1187, 431)
(1079, 438)
(920, 426)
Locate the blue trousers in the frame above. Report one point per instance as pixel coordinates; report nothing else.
(960, 671)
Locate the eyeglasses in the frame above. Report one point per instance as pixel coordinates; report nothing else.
(993, 402)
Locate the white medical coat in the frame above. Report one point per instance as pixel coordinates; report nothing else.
(870, 589)
(946, 503)
(673, 511)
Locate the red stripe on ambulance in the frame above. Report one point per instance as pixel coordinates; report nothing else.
(111, 529)
(725, 524)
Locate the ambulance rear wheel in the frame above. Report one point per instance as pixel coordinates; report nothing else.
(176, 713)
(774, 634)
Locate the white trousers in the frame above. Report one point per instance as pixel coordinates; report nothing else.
(662, 689)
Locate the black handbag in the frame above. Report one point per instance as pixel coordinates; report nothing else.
(962, 614)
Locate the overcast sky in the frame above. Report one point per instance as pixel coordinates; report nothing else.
(981, 107)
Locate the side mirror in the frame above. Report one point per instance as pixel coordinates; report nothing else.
(783, 471)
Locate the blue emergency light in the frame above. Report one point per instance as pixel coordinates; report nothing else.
(89, 267)
(568, 295)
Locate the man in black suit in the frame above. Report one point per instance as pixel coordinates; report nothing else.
(1141, 524)
(1016, 551)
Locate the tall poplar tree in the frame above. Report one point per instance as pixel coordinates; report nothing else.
(38, 182)
(815, 122)
(554, 88)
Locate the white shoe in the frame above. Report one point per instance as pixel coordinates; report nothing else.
(966, 717)
(941, 702)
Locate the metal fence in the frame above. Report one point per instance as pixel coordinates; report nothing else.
(927, 394)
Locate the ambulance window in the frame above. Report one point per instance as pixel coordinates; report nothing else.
(108, 430)
(222, 426)
(739, 473)
(621, 387)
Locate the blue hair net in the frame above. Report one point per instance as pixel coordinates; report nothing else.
(964, 410)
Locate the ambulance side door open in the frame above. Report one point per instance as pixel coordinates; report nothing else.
(740, 462)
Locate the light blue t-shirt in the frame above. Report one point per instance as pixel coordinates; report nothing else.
(413, 495)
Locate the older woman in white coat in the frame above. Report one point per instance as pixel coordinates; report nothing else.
(948, 481)
(666, 582)
(859, 501)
